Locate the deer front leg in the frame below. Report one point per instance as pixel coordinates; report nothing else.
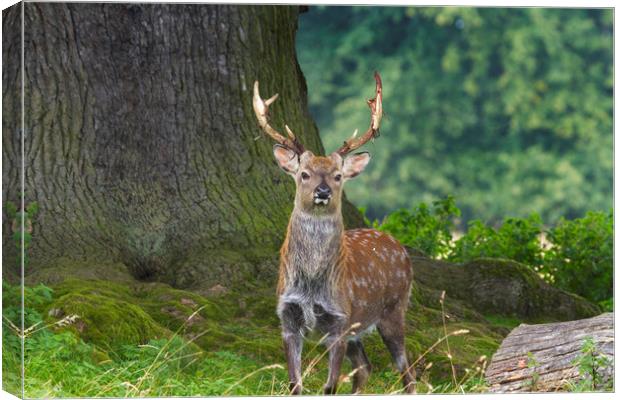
(293, 343)
(291, 316)
(337, 350)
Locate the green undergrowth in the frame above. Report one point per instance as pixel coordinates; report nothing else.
(100, 338)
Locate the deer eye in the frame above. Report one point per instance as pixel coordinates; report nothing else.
(337, 178)
(305, 176)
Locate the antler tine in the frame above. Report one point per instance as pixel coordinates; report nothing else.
(376, 112)
(261, 109)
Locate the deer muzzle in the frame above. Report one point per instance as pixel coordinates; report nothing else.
(322, 194)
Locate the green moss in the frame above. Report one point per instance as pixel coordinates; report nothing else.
(504, 321)
(247, 324)
(507, 269)
(113, 314)
(173, 308)
(108, 317)
(63, 268)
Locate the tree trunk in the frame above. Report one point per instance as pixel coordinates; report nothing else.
(141, 146)
(542, 357)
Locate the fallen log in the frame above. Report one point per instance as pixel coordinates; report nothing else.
(542, 358)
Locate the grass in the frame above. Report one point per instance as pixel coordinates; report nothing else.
(229, 345)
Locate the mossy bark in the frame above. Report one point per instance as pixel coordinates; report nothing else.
(141, 146)
(501, 287)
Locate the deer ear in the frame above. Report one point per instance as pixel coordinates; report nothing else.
(287, 159)
(355, 164)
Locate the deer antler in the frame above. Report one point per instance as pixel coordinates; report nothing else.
(376, 112)
(261, 109)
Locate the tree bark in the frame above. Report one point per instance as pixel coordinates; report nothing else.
(541, 357)
(141, 146)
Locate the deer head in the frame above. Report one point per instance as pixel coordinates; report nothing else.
(319, 179)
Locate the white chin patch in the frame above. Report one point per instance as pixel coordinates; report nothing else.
(321, 201)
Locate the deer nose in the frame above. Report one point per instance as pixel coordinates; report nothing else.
(323, 191)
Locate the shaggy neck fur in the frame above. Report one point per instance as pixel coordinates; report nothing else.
(313, 244)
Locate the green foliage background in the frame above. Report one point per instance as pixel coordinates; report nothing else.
(509, 110)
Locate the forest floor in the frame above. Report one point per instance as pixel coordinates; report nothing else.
(93, 337)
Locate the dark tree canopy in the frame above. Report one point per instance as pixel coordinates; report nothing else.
(141, 146)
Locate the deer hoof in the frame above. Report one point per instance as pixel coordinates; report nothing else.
(295, 388)
(329, 389)
(411, 388)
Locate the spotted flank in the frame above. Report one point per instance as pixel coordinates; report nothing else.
(380, 272)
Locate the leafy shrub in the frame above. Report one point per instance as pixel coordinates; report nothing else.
(581, 256)
(428, 229)
(516, 239)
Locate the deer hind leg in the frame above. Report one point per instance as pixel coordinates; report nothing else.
(392, 331)
(361, 364)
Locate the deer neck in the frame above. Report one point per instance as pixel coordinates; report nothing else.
(314, 243)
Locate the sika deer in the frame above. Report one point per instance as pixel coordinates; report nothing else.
(338, 282)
